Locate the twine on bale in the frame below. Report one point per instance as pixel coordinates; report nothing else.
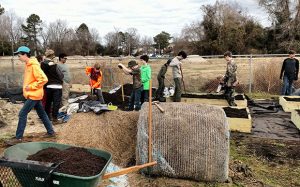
(188, 141)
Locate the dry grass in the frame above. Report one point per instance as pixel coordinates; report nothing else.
(198, 73)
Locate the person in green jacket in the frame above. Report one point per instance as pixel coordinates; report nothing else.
(145, 77)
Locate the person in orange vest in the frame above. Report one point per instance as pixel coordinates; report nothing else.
(95, 75)
(34, 80)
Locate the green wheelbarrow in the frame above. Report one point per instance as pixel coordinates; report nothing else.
(33, 174)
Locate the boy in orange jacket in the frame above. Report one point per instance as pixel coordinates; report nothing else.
(34, 80)
(95, 75)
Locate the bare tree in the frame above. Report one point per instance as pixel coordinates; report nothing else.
(146, 43)
(132, 39)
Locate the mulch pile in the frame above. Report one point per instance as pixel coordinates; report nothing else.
(235, 112)
(75, 161)
(113, 131)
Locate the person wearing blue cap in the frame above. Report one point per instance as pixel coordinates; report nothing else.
(34, 80)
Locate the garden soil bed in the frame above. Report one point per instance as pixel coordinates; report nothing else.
(235, 112)
(75, 161)
(210, 96)
(292, 99)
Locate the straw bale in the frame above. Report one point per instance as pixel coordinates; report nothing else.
(189, 141)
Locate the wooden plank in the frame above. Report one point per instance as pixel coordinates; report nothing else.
(128, 170)
(295, 118)
(289, 106)
(240, 124)
(217, 102)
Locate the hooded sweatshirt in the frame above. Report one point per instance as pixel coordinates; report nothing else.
(34, 79)
(146, 76)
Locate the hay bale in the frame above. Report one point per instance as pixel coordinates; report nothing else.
(189, 141)
(113, 131)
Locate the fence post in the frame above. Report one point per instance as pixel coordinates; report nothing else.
(6, 80)
(250, 74)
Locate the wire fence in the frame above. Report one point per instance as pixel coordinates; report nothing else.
(256, 73)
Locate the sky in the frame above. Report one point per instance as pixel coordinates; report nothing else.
(148, 17)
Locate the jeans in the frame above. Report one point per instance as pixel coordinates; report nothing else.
(28, 105)
(99, 94)
(287, 86)
(145, 96)
(160, 90)
(53, 96)
(177, 94)
(135, 99)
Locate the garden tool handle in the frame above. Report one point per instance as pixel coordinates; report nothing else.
(158, 106)
(182, 79)
(128, 170)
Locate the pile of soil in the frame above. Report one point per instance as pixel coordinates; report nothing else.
(292, 99)
(211, 96)
(235, 112)
(116, 98)
(113, 131)
(75, 161)
(279, 151)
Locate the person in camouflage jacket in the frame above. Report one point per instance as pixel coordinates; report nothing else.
(230, 79)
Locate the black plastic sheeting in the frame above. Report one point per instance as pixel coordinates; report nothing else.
(13, 94)
(276, 125)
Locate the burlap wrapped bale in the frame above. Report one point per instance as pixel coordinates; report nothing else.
(189, 141)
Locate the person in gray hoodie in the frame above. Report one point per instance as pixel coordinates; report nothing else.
(177, 74)
(62, 59)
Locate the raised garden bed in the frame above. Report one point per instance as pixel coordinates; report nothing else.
(212, 99)
(239, 119)
(289, 103)
(295, 117)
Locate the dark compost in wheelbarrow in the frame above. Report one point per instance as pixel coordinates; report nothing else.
(75, 161)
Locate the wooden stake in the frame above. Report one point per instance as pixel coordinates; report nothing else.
(127, 170)
(150, 124)
(122, 88)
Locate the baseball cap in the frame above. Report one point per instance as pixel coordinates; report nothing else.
(132, 63)
(22, 49)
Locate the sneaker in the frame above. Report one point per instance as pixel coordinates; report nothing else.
(13, 141)
(57, 121)
(53, 135)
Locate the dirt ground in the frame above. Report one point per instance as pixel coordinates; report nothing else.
(254, 160)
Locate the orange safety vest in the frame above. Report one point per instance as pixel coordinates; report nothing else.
(95, 78)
